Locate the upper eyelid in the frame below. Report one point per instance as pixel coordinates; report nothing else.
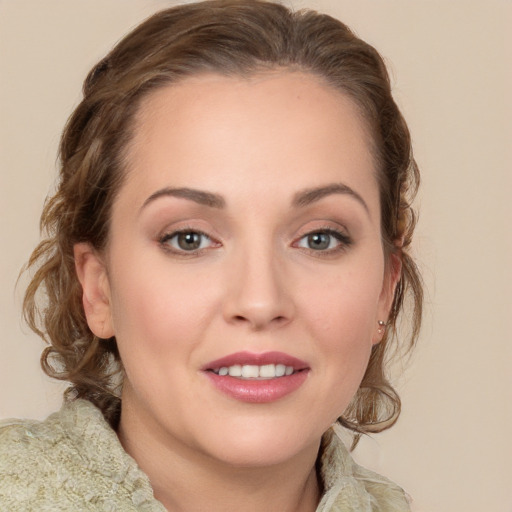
(185, 226)
(342, 231)
(166, 236)
(326, 229)
(173, 232)
(344, 239)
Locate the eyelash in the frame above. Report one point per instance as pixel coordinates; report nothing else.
(167, 237)
(344, 242)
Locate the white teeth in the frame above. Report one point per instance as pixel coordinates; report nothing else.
(280, 370)
(235, 370)
(268, 371)
(251, 371)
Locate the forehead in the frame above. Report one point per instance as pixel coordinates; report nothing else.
(210, 130)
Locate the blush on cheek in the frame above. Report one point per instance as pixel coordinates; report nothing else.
(344, 321)
(160, 312)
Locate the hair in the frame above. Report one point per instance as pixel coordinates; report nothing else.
(233, 38)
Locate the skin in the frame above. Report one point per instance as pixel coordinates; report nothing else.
(255, 284)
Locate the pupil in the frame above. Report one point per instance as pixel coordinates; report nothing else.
(318, 241)
(189, 241)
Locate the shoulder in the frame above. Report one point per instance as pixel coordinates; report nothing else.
(70, 461)
(385, 495)
(20, 437)
(26, 457)
(349, 486)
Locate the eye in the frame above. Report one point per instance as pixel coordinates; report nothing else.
(324, 240)
(186, 241)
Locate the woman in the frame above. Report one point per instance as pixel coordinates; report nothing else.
(226, 260)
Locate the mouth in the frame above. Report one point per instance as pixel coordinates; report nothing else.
(257, 378)
(248, 365)
(252, 371)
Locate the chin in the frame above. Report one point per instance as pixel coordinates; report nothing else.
(259, 446)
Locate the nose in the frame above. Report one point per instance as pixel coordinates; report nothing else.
(257, 294)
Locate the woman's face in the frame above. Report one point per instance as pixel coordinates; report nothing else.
(245, 243)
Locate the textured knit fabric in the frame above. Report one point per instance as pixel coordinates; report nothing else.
(73, 461)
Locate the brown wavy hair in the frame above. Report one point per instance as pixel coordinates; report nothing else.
(233, 38)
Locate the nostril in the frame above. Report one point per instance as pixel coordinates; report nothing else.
(242, 318)
(260, 322)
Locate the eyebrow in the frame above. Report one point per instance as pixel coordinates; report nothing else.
(198, 196)
(311, 195)
(301, 199)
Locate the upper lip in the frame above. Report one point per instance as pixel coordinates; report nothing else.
(250, 358)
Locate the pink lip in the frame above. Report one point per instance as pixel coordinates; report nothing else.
(257, 391)
(257, 359)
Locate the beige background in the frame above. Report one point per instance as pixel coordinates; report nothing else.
(450, 62)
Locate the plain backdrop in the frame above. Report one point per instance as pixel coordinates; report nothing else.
(450, 63)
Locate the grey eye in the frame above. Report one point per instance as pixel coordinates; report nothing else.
(325, 240)
(319, 241)
(187, 241)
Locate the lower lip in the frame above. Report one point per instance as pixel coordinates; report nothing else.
(255, 390)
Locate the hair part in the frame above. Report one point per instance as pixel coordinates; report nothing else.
(233, 38)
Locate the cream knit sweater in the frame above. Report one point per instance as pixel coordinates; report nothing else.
(73, 461)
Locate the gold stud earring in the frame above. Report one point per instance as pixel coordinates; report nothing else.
(382, 325)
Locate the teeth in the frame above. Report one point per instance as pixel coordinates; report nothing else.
(267, 371)
(251, 371)
(280, 370)
(235, 371)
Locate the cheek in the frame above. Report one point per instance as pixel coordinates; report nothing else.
(346, 307)
(158, 307)
(341, 318)
(157, 320)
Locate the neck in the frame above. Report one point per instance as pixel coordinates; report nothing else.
(185, 480)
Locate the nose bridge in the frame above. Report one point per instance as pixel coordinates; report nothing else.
(257, 295)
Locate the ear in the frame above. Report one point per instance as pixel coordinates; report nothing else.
(92, 274)
(392, 274)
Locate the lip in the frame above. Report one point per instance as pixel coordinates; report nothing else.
(257, 359)
(257, 391)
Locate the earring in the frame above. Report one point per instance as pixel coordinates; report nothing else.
(382, 325)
